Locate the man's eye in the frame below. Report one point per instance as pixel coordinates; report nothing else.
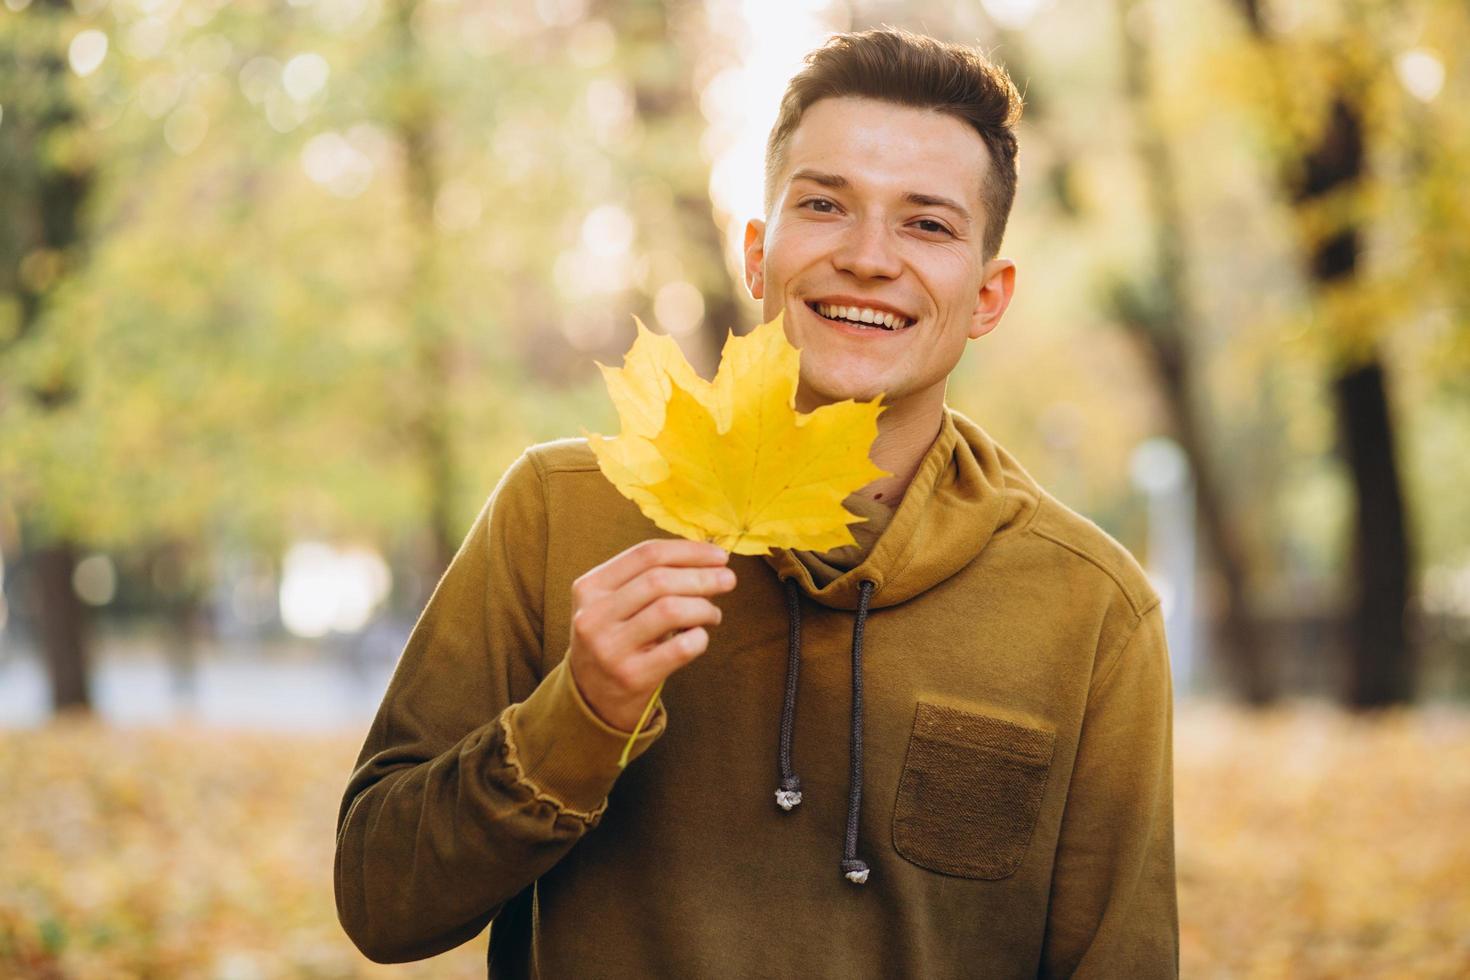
(930, 225)
(820, 204)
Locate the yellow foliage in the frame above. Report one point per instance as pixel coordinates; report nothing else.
(732, 461)
(1311, 843)
(182, 852)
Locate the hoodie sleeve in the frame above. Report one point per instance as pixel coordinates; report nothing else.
(479, 772)
(1113, 910)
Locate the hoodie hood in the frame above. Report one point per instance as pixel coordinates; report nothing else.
(965, 491)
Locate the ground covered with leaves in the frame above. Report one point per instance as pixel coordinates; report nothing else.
(1310, 844)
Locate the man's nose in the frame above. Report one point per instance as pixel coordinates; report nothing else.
(868, 251)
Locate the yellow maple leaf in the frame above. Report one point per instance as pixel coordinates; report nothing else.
(732, 461)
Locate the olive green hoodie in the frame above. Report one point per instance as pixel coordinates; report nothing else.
(999, 778)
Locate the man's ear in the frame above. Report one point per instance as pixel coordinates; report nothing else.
(755, 258)
(995, 296)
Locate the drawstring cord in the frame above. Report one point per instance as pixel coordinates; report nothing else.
(853, 867)
(788, 795)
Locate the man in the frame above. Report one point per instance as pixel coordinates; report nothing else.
(969, 710)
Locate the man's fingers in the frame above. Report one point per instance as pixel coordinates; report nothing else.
(663, 616)
(639, 616)
(623, 567)
(662, 580)
(673, 653)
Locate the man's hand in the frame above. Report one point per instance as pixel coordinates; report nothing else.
(640, 616)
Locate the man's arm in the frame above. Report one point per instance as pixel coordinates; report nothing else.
(1113, 911)
(478, 774)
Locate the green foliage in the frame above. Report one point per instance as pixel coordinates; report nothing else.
(277, 304)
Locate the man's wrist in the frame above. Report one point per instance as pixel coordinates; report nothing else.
(565, 749)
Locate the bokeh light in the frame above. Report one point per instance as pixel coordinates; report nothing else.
(95, 580)
(324, 589)
(87, 50)
(679, 308)
(1422, 73)
(305, 76)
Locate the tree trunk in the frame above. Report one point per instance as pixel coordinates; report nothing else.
(1382, 661)
(1381, 655)
(61, 621)
(49, 209)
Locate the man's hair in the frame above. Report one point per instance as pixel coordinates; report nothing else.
(912, 70)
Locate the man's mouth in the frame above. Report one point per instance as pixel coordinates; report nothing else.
(862, 316)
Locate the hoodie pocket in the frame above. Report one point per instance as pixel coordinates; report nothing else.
(970, 792)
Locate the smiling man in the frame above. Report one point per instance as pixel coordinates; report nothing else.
(879, 245)
(982, 782)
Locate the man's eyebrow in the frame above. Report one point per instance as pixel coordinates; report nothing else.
(838, 182)
(935, 201)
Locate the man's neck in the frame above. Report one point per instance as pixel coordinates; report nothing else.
(903, 440)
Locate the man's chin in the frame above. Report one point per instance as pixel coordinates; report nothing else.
(812, 396)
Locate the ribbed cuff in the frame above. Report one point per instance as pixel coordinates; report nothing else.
(567, 752)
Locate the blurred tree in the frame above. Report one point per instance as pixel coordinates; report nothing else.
(46, 176)
(1159, 312)
(412, 112)
(1320, 173)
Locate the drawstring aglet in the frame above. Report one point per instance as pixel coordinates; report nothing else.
(788, 797)
(855, 871)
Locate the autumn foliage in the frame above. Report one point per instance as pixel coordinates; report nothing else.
(1311, 844)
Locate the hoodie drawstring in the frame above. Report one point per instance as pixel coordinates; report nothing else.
(854, 869)
(789, 793)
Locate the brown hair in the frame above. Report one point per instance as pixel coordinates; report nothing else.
(912, 70)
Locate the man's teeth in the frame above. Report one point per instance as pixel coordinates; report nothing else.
(862, 315)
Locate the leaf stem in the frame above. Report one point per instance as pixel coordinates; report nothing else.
(647, 710)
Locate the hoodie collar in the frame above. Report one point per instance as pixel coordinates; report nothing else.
(965, 491)
(828, 566)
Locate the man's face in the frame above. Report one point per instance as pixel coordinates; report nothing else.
(878, 207)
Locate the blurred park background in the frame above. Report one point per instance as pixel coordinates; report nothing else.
(286, 284)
